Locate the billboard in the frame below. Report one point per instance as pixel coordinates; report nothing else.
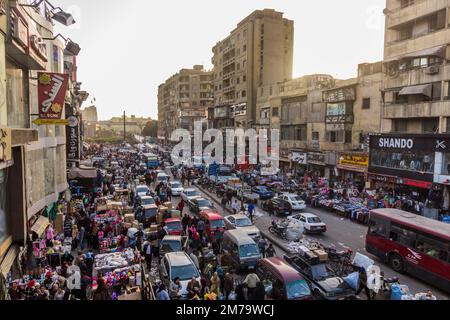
(52, 89)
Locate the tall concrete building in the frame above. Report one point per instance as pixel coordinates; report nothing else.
(90, 119)
(183, 99)
(258, 52)
(417, 75)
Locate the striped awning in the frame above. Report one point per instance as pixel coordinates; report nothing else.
(40, 225)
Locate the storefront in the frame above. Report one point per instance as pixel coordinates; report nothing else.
(299, 160)
(316, 164)
(353, 167)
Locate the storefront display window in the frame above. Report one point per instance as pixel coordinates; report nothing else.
(4, 219)
(446, 164)
(420, 161)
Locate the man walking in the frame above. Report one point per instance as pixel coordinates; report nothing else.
(251, 210)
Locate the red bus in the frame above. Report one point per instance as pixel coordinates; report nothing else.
(411, 243)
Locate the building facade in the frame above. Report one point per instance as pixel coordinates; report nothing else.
(33, 169)
(133, 125)
(183, 99)
(417, 74)
(90, 119)
(258, 52)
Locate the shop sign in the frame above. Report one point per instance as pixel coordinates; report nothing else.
(336, 109)
(354, 160)
(316, 158)
(300, 157)
(73, 139)
(284, 153)
(381, 178)
(343, 94)
(221, 112)
(415, 183)
(52, 89)
(38, 46)
(5, 148)
(436, 143)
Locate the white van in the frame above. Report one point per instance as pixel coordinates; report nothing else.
(162, 177)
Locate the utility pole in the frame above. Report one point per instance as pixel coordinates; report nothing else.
(124, 127)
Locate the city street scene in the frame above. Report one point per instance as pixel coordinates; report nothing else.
(266, 152)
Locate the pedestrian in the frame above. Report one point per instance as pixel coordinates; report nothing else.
(193, 287)
(251, 282)
(235, 207)
(228, 285)
(362, 281)
(270, 252)
(102, 291)
(194, 258)
(215, 283)
(162, 293)
(251, 210)
(260, 292)
(201, 228)
(81, 237)
(148, 255)
(262, 244)
(175, 289)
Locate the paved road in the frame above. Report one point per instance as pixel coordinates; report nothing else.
(342, 234)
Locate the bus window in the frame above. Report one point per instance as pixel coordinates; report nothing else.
(403, 236)
(378, 227)
(433, 248)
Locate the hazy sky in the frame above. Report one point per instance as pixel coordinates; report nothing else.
(129, 47)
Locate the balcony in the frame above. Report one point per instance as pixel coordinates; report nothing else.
(418, 76)
(228, 75)
(417, 110)
(229, 89)
(420, 8)
(264, 121)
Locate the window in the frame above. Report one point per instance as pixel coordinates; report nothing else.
(417, 161)
(276, 110)
(315, 136)
(430, 125)
(366, 103)
(400, 126)
(432, 247)
(332, 136)
(270, 91)
(244, 78)
(244, 33)
(378, 227)
(262, 92)
(238, 80)
(244, 48)
(244, 64)
(238, 66)
(282, 89)
(348, 136)
(262, 29)
(244, 94)
(402, 235)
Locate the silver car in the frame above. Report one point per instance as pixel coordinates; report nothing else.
(242, 222)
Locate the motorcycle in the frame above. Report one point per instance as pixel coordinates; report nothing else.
(279, 229)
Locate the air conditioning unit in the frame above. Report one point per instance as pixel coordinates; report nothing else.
(432, 70)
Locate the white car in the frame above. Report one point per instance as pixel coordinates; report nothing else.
(242, 222)
(162, 177)
(176, 187)
(142, 190)
(146, 200)
(294, 200)
(189, 194)
(178, 264)
(310, 222)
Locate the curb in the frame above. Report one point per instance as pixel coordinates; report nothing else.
(266, 235)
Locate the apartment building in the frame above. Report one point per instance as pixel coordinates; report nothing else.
(133, 124)
(417, 73)
(258, 52)
(90, 119)
(183, 99)
(324, 122)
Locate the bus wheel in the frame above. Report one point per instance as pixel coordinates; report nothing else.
(396, 262)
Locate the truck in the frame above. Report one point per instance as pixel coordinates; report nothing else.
(324, 284)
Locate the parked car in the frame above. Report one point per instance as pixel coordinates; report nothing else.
(263, 192)
(278, 206)
(142, 190)
(294, 200)
(200, 204)
(176, 187)
(282, 281)
(242, 222)
(310, 222)
(324, 284)
(189, 194)
(178, 264)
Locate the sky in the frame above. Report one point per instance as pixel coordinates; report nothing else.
(130, 47)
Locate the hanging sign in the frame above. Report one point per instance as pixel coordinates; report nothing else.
(52, 89)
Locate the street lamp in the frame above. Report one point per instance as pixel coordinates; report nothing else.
(58, 14)
(71, 47)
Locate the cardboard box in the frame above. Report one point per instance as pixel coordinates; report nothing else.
(168, 205)
(129, 218)
(162, 209)
(323, 255)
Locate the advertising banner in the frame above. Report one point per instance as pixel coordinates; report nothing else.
(354, 160)
(300, 157)
(73, 139)
(52, 89)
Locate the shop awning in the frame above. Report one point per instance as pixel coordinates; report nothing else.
(9, 259)
(424, 89)
(83, 173)
(429, 52)
(40, 225)
(351, 168)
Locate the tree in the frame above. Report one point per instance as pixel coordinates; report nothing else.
(150, 129)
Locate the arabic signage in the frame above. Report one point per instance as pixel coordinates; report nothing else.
(343, 94)
(437, 143)
(5, 148)
(52, 89)
(220, 112)
(300, 157)
(336, 109)
(73, 139)
(405, 181)
(316, 158)
(354, 160)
